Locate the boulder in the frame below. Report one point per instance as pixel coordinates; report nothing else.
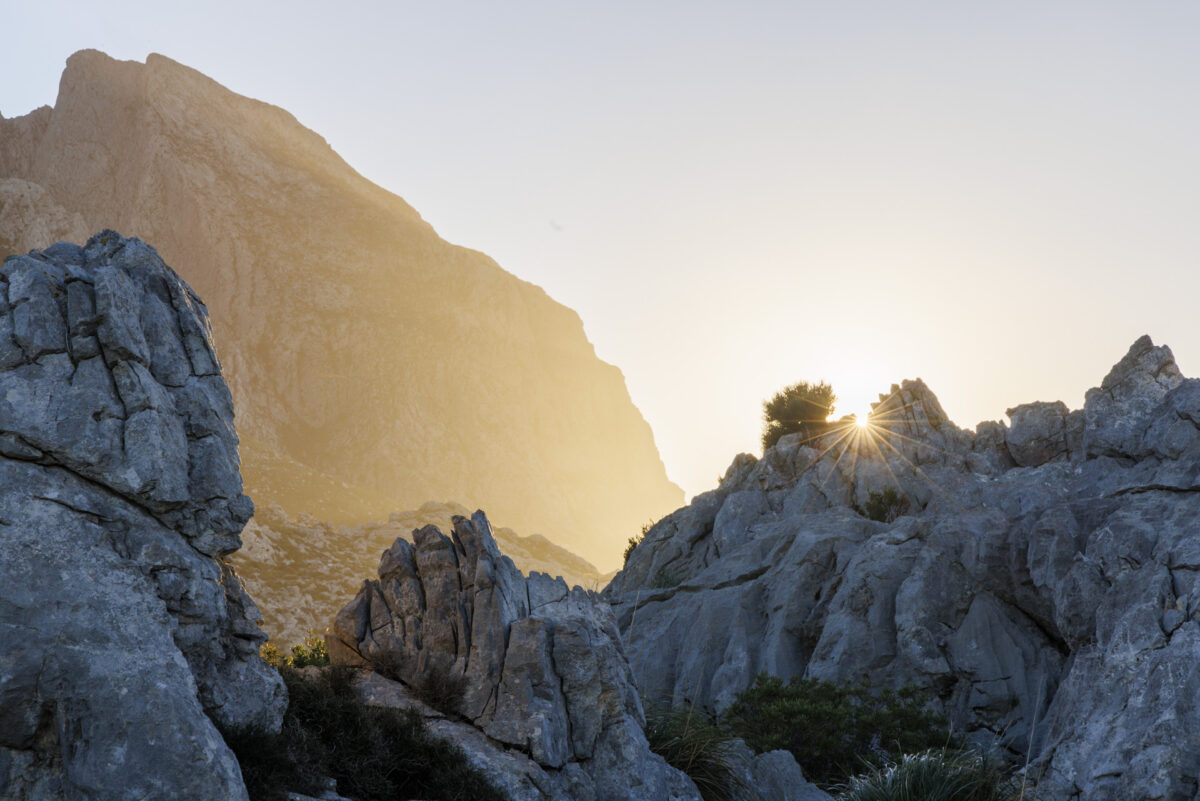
(546, 702)
(126, 636)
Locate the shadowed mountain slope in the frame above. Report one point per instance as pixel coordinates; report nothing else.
(355, 340)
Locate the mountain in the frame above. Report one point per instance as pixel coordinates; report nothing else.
(1037, 579)
(362, 350)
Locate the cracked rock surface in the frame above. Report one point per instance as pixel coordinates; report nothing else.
(125, 636)
(1042, 585)
(549, 709)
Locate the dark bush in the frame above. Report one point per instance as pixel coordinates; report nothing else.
(832, 728)
(885, 506)
(442, 690)
(373, 754)
(689, 741)
(801, 408)
(935, 775)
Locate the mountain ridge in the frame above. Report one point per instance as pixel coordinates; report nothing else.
(335, 304)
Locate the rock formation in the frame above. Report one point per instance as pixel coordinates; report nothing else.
(124, 633)
(361, 349)
(1042, 584)
(548, 705)
(302, 570)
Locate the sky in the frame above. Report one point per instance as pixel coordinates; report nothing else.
(996, 197)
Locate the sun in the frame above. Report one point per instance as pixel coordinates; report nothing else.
(863, 418)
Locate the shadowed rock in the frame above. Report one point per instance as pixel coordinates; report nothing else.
(124, 633)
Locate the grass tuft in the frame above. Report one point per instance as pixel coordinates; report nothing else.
(692, 743)
(934, 775)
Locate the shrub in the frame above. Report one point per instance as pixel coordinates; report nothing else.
(689, 741)
(310, 652)
(832, 728)
(935, 775)
(801, 408)
(664, 579)
(636, 541)
(884, 507)
(371, 752)
(441, 690)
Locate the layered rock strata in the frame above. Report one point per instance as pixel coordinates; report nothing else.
(1042, 584)
(369, 359)
(125, 636)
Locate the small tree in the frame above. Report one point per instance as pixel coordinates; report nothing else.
(800, 408)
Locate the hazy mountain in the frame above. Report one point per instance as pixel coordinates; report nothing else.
(362, 350)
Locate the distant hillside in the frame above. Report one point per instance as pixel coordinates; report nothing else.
(301, 571)
(363, 351)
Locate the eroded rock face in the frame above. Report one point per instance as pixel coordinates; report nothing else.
(1041, 586)
(549, 699)
(124, 633)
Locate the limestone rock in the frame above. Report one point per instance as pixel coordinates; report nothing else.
(124, 632)
(1051, 609)
(282, 555)
(549, 706)
(374, 365)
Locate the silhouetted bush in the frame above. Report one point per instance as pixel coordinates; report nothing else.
(441, 690)
(885, 506)
(374, 754)
(832, 728)
(801, 408)
(689, 741)
(935, 775)
(636, 541)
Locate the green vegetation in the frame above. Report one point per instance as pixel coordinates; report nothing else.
(372, 753)
(801, 408)
(885, 506)
(312, 652)
(833, 729)
(636, 541)
(934, 775)
(692, 743)
(664, 579)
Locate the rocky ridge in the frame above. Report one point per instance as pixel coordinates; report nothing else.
(125, 635)
(1042, 584)
(302, 570)
(356, 342)
(548, 704)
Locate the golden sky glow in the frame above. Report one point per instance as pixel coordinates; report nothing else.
(995, 197)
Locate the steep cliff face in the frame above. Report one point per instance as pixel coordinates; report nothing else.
(1041, 583)
(124, 632)
(355, 341)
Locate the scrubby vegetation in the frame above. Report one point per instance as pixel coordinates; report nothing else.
(885, 506)
(691, 742)
(834, 729)
(634, 542)
(801, 408)
(312, 652)
(935, 775)
(373, 754)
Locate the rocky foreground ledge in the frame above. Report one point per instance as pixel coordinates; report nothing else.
(1042, 583)
(124, 634)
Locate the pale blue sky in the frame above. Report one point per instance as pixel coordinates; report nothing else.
(998, 197)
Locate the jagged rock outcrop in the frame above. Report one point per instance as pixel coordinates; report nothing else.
(359, 346)
(124, 633)
(302, 570)
(549, 707)
(1042, 584)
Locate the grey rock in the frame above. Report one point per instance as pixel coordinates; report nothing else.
(126, 636)
(550, 708)
(1049, 610)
